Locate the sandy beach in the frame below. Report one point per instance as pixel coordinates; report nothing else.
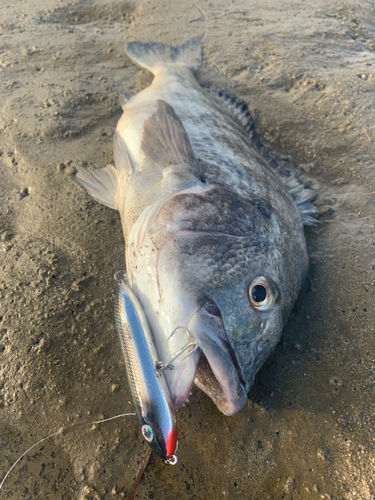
(307, 72)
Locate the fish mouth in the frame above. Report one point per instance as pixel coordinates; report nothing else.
(217, 373)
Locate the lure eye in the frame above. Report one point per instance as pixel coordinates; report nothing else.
(262, 293)
(147, 433)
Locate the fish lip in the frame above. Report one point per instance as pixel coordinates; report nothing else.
(180, 395)
(218, 373)
(229, 404)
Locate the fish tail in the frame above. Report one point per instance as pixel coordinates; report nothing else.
(153, 55)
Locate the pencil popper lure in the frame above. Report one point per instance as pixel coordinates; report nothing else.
(145, 372)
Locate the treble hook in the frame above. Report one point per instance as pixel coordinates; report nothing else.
(160, 366)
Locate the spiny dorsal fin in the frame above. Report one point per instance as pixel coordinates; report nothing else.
(165, 141)
(151, 55)
(292, 181)
(235, 105)
(238, 108)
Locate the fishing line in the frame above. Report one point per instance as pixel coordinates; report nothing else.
(61, 431)
(141, 470)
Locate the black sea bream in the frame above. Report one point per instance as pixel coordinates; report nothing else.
(214, 235)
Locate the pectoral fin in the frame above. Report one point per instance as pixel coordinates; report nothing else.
(165, 141)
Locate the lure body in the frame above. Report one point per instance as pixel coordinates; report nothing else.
(147, 383)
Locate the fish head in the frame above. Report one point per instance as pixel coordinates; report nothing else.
(251, 278)
(229, 271)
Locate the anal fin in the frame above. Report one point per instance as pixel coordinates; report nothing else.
(121, 153)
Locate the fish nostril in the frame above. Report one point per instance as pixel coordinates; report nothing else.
(212, 308)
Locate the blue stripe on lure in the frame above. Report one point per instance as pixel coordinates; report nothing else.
(147, 382)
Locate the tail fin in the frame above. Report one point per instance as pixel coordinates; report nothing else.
(151, 55)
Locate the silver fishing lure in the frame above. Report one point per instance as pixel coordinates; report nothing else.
(144, 369)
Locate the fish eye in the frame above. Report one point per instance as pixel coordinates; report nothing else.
(147, 433)
(262, 293)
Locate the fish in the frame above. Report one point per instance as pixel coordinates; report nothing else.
(149, 389)
(213, 226)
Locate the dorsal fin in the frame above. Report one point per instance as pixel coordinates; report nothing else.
(238, 108)
(292, 181)
(165, 141)
(235, 105)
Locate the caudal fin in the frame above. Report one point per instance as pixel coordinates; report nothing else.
(151, 55)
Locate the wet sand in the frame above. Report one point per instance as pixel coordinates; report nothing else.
(307, 72)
